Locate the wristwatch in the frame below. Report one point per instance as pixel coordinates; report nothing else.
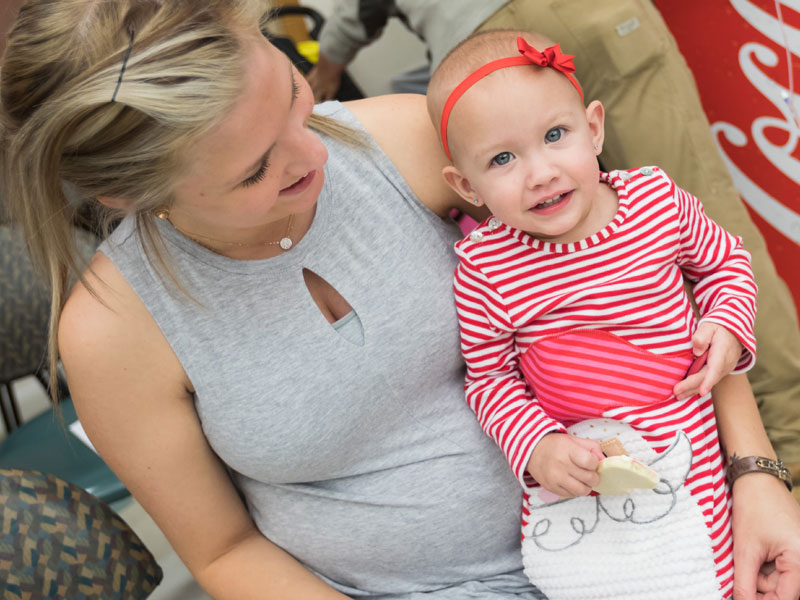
(758, 464)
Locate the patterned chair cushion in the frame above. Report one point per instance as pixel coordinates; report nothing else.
(58, 541)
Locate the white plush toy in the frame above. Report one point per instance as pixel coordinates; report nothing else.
(630, 544)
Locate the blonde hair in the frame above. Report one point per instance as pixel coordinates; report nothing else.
(63, 139)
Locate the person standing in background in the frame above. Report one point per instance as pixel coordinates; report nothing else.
(629, 61)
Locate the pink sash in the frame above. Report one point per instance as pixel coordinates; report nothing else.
(580, 374)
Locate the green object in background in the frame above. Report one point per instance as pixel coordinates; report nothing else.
(45, 444)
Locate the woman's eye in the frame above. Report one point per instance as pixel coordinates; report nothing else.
(553, 135)
(258, 175)
(502, 158)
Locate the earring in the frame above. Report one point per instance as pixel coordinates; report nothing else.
(163, 214)
(476, 201)
(596, 147)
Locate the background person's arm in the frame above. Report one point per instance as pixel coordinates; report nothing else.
(766, 518)
(352, 25)
(134, 400)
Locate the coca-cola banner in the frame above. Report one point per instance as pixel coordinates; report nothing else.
(745, 56)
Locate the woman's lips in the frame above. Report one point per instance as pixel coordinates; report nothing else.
(300, 185)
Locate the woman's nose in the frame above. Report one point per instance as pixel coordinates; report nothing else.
(306, 149)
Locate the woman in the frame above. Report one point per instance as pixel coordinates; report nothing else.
(275, 310)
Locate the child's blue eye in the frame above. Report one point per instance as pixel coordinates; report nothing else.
(502, 158)
(553, 135)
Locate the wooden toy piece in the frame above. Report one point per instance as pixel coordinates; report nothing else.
(613, 447)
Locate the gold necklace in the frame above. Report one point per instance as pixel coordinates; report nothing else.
(285, 242)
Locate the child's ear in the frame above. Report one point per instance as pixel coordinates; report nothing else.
(595, 116)
(460, 185)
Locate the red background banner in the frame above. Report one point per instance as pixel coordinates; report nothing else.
(737, 50)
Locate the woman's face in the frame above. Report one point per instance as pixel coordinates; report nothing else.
(261, 163)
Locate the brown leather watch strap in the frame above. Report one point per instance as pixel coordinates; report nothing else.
(758, 464)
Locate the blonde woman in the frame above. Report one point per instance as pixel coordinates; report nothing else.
(265, 348)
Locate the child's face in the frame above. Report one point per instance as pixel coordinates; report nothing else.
(524, 145)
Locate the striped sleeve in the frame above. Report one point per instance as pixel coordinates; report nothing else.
(725, 289)
(495, 389)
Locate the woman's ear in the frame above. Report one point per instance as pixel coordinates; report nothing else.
(460, 185)
(595, 116)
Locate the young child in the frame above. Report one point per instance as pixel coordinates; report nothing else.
(576, 329)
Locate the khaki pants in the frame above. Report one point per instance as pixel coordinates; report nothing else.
(627, 59)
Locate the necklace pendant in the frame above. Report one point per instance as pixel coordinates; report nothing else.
(285, 243)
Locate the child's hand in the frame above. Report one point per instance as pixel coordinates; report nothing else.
(724, 350)
(566, 465)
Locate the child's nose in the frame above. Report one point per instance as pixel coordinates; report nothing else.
(541, 173)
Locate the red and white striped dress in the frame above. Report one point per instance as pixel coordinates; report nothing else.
(514, 291)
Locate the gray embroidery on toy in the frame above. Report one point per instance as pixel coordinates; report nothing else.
(638, 507)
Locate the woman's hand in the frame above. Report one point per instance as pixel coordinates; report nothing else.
(766, 539)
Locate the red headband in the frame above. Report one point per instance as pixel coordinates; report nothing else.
(550, 57)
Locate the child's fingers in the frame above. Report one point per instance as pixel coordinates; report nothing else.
(585, 457)
(689, 386)
(571, 487)
(722, 356)
(595, 453)
(713, 373)
(702, 338)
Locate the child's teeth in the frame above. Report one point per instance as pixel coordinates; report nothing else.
(552, 200)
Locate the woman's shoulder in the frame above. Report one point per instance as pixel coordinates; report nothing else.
(105, 330)
(103, 293)
(401, 127)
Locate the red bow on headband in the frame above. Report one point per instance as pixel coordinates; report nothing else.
(551, 57)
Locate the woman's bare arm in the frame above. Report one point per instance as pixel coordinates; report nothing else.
(135, 402)
(766, 517)
(402, 128)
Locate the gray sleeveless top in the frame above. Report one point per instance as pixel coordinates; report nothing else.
(353, 446)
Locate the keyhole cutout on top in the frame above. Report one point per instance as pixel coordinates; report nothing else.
(330, 302)
(334, 308)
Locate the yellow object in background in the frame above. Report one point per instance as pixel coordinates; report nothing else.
(309, 49)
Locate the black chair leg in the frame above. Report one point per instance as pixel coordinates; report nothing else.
(8, 406)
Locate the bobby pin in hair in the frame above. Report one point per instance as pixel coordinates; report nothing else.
(124, 64)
